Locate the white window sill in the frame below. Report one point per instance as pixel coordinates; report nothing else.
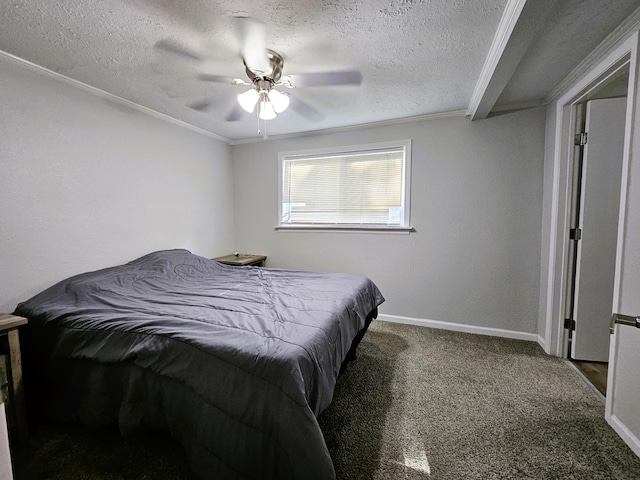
(344, 228)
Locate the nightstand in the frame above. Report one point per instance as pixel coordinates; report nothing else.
(10, 350)
(242, 259)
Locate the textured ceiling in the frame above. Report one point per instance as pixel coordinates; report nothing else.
(416, 57)
(573, 29)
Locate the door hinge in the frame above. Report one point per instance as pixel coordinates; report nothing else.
(575, 234)
(580, 139)
(570, 323)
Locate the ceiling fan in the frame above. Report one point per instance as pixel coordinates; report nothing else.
(264, 69)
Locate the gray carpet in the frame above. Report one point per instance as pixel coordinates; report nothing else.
(418, 403)
(424, 403)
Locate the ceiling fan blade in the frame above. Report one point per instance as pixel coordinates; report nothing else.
(347, 77)
(254, 51)
(210, 77)
(174, 47)
(306, 110)
(202, 105)
(208, 104)
(234, 114)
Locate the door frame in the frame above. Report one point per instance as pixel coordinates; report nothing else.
(555, 340)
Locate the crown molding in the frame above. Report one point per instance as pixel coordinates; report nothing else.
(618, 35)
(361, 126)
(512, 107)
(109, 96)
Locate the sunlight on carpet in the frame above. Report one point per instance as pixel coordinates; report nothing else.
(415, 458)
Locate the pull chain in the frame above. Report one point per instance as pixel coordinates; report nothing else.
(264, 123)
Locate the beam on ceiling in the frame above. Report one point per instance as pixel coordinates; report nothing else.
(519, 26)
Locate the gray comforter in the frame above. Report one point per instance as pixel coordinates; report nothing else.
(237, 362)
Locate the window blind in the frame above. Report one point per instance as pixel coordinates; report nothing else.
(356, 188)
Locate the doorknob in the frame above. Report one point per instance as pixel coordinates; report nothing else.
(623, 320)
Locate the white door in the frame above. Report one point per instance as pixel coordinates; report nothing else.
(599, 212)
(622, 409)
(623, 386)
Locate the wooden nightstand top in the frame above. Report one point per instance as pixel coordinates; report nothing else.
(242, 259)
(9, 322)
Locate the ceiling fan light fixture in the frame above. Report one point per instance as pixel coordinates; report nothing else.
(248, 99)
(267, 112)
(279, 100)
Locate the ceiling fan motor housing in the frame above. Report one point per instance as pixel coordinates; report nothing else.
(275, 61)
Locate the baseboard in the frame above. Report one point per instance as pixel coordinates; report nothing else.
(460, 327)
(542, 342)
(628, 437)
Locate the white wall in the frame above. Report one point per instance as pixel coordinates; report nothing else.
(476, 207)
(87, 183)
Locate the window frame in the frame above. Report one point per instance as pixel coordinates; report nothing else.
(405, 226)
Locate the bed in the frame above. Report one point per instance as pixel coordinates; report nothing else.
(235, 362)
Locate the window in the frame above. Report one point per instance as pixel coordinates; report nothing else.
(362, 187)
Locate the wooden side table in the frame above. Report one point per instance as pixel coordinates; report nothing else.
(10, 348)
(242, 259)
